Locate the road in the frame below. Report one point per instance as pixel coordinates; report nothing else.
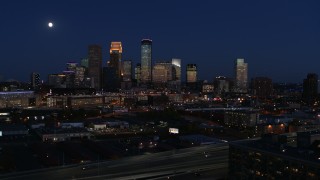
(152, 166)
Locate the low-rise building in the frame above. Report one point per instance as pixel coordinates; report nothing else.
(273, 157)
(13, 130)
(241, 118)
(62, 134)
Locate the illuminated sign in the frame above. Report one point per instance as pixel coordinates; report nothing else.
(174, 130)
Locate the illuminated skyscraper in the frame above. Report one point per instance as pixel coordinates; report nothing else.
(177, 68)
(126, 70)
(162, 72)
(191, 73)
(137, 72)
(176, 65)
(79, 76)
(241, 76)
(146, 60)
(115, 62)
(115, 57)
(95, 65)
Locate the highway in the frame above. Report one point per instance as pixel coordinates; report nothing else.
(151, 166)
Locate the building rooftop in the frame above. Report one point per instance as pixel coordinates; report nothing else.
(62, 130)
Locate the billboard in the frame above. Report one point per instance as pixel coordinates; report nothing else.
(174, 130)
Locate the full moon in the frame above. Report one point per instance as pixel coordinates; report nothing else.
(50, 24)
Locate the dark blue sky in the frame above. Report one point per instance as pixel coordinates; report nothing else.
(278, 38)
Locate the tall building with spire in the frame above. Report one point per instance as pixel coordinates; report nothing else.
(115, 57)
(146, 60)
(241, 76)
(95, 65)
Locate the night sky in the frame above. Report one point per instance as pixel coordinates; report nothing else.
(278, 38)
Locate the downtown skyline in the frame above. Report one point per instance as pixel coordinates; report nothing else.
(277, 35)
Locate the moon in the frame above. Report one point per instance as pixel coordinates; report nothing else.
(50, 24)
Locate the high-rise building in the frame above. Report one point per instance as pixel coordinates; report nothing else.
(191, 73)
(162, 72)
(79, 76)
(57, 80)
(110, 81)
(71, 66)
(176, 68)
(176, 64)
(146, 60)
(85, 62)
(35, 80)
(310, 88)
(137, 73)
(262, 87)
(115, 57)
(126, 70)
(75, 74)
(222, 84)
(69, 78)
(95, 65)
(241, 76)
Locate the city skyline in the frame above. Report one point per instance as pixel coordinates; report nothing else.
(279, 35)
(159, 89)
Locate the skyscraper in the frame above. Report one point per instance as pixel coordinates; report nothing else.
(146, 60)
(35, 80)
(162, 72)
(71, 75)
(191, 73)
(69, 78)
(71, 66)
(57, 80)
(115, 57)
(192, 80)
(177, 68)
(137, 72)
(79, 76)
(126, 70)
(310, 88)
(241, 76)
(95, 65)
(85, 62)
(176, 65)
(222, 84)
(110, 82)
